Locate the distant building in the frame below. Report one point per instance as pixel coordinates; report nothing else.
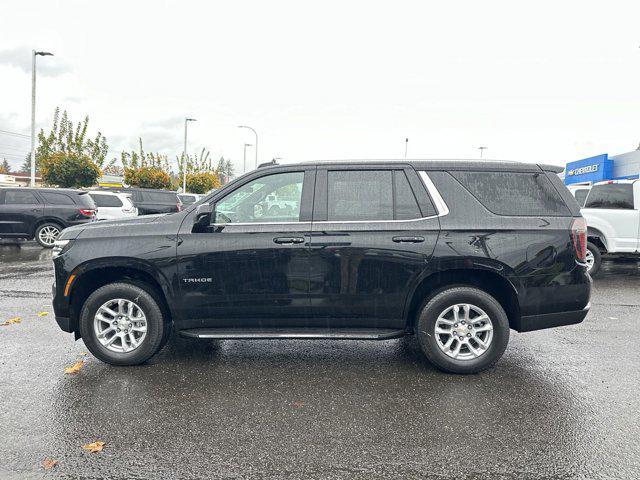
(18, 180)
(110, 180)
(603, 167)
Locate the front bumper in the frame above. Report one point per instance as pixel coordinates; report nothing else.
(550, 320)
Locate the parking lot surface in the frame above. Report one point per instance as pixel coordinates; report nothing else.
(561, 403)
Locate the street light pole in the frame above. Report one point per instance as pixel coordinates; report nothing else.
(184, 156)
(256, 144)
(482, 149)
(32, 155)
(244, 158)
(406, 146)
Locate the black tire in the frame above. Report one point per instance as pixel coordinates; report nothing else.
(426, 323)
(156, 325)
(597, 259)
(46, 228)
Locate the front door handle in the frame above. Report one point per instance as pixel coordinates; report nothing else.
(408, 239)
(288, 240)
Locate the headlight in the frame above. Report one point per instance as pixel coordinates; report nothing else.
(58, 247)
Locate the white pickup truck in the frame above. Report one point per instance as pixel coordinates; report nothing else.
(612, 212)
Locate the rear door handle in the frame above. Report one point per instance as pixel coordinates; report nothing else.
(408, 239)
(288, 240)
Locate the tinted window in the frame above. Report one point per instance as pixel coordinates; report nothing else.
(611, 195)
(187, 199)
(273, 198)
(514, 193)
(359, 195)
(56, 198)
(106, 200)
(406, 206)
(581, 196)
(160, 197)
(16, 197)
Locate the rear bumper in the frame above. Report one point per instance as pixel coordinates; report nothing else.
(550, 320)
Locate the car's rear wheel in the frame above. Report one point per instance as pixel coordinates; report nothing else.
(463, 330)
(47, 233)
(593, 259)
(122, 324)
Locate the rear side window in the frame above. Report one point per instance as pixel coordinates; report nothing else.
(106, 200)
(514, 193)
(617, 196)
(581, 196)
(406, 206)
(56, 198)
(15, 197)
(161, 197)
(359, 195)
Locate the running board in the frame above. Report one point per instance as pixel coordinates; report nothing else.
(300, 333)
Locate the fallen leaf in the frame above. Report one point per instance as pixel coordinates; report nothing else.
(298, 404)
(10, 321)
(83, 354)
(75, 368)
(49, 463)
(43, 314)
(93, 447)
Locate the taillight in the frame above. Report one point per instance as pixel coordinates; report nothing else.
(87, 212)
(579, 238)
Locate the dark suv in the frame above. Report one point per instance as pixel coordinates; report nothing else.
(455, 253)
(42, 213)
(150, 202)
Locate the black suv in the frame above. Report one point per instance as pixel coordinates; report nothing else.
(455, 253)
(42, 213)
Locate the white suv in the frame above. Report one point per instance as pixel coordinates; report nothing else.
(612, 212)
(112, 205)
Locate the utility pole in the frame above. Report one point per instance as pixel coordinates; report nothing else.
(184, 155)
(244, 158)
(34, 54)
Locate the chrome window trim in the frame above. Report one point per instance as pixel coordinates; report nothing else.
(244, 224)
(439, 203)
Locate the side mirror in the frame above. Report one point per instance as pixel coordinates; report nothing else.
(203, 215)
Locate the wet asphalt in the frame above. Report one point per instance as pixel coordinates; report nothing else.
(562, 403)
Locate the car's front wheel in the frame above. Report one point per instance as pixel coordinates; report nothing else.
(47, 233)
(122, 324)
(463, 330)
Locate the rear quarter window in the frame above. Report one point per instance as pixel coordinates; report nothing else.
(106, 200)
(514, 193)
(616, 196)
(57, 198)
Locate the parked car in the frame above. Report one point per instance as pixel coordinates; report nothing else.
(112, 205)
(612, 214)
(455, 253)
(580, 192)
(189, 198)
(42, 213)
(150, 202)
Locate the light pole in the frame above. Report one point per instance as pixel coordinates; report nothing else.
(482, 149)
(406, 146)
(256, 144)
(244, 158)
(34, 54)
(184, 155)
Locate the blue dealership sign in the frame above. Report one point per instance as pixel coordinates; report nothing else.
(592, 169)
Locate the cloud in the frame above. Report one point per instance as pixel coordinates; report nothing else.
(20, 58)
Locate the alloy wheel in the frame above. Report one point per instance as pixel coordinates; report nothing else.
(464, 331)
(47, 235)
(120, 325)
(590, 260)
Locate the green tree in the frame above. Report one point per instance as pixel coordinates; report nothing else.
(196, 163)
(202, 182)
(146, 169)
(69, 138)
(5, 167)
(69, 170)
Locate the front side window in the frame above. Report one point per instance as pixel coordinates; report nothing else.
(15, 197)
(617, 196)
(270, 199)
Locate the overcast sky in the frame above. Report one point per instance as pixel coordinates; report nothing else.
(532, 81)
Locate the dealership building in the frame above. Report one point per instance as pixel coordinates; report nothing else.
(603, 167)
